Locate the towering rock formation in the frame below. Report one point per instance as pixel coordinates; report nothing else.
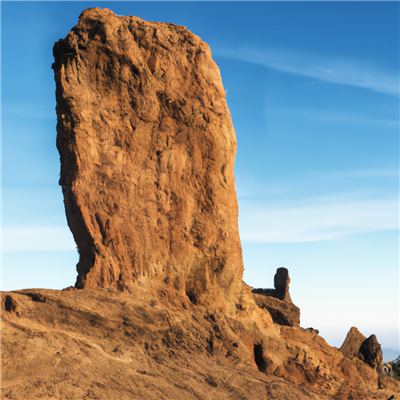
(147, 153)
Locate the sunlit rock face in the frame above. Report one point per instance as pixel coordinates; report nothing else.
(147, 153)
(352, 343)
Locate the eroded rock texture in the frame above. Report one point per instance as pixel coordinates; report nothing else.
(147, 153)
(278, 301)
(371, 353)
(141, 343)
(367, 350)
(282, 312)
(352, 343)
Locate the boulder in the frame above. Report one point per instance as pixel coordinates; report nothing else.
(147, 153)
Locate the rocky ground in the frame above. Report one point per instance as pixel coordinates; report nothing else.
(147, 343)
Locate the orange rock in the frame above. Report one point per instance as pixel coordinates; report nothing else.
(352, 343)
(147, 153)
(277, 301)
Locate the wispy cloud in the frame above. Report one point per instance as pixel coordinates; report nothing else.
(37, 238)
(334, 69)
(318, 206)
(363, 183)
(330, 116)
(320, 219)
(354, 174)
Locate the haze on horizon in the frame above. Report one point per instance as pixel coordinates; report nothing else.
(313, 90)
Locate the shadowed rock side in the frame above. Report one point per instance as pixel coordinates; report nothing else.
(282, 312)
(147, 153)
(367, 350)
(281, 286)
(371, 353)
(352, 343)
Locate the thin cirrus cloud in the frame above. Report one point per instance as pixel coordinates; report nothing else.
(329, 116)
(367, 182)
(334, 69)
(320, 219)
(259, 222)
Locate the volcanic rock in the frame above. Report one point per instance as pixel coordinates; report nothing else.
(147, 342)
(367, 350)
(281, 286)
(371, 353)
(10, 305)
(277, 301)
(147, 151)
(282, 312)
(147, 154)
(352, 343)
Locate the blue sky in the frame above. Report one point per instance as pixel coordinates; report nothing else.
(313, 89)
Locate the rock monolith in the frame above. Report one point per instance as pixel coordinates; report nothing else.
(147, 154)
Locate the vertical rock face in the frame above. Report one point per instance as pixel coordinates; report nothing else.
(147, 153)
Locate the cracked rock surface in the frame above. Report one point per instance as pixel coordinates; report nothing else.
(147, 153)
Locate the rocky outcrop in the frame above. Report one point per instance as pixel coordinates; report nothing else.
(281, 286)
(10, 305)
(277, 301)
(282, 312)
(352, 343)
(147, 154)
(371, 353)
(148, 342)
(367, 350)
(147, 151)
